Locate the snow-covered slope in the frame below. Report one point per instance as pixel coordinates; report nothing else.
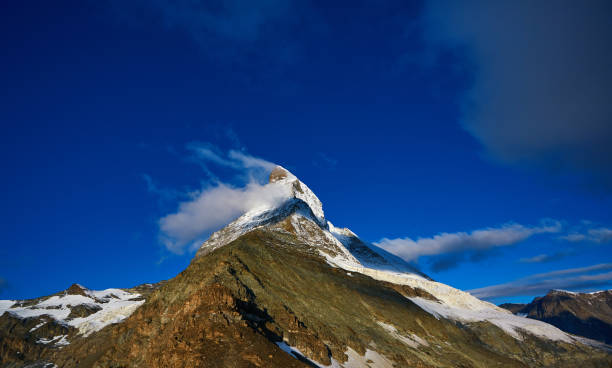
(302, 215)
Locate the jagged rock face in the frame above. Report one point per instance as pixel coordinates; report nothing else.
(584, 314)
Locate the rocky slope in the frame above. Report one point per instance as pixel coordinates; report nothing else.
(29, 328)
(283, 287)
(584, 314)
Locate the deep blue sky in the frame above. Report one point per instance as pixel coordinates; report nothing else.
(376, 112)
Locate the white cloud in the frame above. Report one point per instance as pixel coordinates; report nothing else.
(568, 279)
(212, 207)
(477, 240)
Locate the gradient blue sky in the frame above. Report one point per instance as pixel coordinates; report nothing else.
(422, 120)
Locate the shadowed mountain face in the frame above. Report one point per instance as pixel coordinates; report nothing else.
(584, 314)
(282, 287)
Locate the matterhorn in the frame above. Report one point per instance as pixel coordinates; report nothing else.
(281, 286)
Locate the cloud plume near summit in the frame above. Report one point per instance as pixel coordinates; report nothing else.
(211, 207)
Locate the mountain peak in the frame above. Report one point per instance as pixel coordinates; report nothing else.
(298, 190)
(76, 289)
(280, 173)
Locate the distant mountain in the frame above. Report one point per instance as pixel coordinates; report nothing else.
(583, 314)
(282, 287)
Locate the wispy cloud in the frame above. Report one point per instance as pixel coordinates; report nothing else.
(542, 79)
(573, 237)
(211, 207)
(600, 235)
(206, 154)
(543, 258)
(569, 279)
(595, 235)
(324, 161)
(476, 242)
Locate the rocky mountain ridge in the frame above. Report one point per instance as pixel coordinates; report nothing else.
(282, 287)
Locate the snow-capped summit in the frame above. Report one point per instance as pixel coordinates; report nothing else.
(299, 190)
(300, 201)
(302, 215)
(280, 173)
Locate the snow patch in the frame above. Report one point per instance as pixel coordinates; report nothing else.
(564, 291)
(57, 341)
(598, 292)
(63, 341)
(412, 340)
(115, 304)
(370, 359)
(37, 326)
(295, 352)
